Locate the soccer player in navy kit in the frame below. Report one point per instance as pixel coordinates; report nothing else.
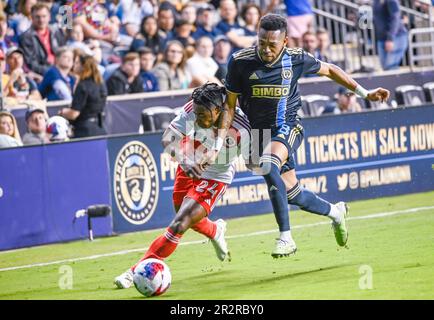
(263, 79)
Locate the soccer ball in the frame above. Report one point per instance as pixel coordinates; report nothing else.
(58, 127)
(152, 277)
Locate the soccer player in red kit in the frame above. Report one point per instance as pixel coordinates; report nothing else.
(197, 189)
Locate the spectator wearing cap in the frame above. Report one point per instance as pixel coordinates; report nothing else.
(149, 36)
(147, 61)
(222, 52)
(9, 133)
(205, 23)
(88, 103)
(201, 65)
(345, 102)
(183, 30)
(58, 83)
(390, 33)
(36, 120)
(133, 12)
(172, 73)
(230, 27)
(40, 42)
(19, 85)
(126, 79)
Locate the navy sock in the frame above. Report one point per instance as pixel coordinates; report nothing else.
(308, 201)
(270, 165)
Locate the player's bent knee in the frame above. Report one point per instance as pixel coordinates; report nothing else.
(289, 184)
(290, 180)
(180, 226)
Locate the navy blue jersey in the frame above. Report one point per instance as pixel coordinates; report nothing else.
(269, 93)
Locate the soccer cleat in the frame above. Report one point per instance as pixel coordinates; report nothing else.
(219, 241)
(340, 228)
(284, 248)
(125, 280)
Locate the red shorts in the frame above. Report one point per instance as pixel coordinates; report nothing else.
(204, 191)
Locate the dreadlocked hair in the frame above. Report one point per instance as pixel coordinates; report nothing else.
(209, 95)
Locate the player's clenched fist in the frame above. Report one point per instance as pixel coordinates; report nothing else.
(379, 94)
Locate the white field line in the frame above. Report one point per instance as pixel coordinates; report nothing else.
(122, 252)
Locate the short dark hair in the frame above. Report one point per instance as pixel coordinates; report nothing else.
(145, 50)
(273, 22)
(209, 95)
(130, 56)
(38, 7)
(181, 22)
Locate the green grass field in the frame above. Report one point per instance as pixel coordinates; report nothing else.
(398, 248)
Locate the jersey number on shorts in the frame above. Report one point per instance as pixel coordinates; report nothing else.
(204, 184)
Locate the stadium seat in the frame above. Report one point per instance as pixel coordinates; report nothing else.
(316, 103)
(410, 95)
(157, 118)
(429, 91)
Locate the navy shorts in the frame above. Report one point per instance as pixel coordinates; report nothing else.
(290, 134)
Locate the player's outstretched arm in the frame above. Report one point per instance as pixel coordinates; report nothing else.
(340, 76)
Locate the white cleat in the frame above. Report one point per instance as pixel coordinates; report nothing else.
(219, 241)
(125, 280)
(284, 248)
(340, 227)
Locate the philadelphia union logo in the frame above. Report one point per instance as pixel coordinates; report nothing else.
(286, 74)
(136, 182)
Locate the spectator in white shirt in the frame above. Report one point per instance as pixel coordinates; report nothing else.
(201, 65)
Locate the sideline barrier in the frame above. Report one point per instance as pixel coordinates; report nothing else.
(348, 157)
(43, 186)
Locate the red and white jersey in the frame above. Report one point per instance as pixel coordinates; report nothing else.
(237, 141)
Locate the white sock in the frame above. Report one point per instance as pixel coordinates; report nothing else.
(334, 214)
(286, 236)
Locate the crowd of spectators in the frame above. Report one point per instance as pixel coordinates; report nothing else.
(126, 46)
(138, 45)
